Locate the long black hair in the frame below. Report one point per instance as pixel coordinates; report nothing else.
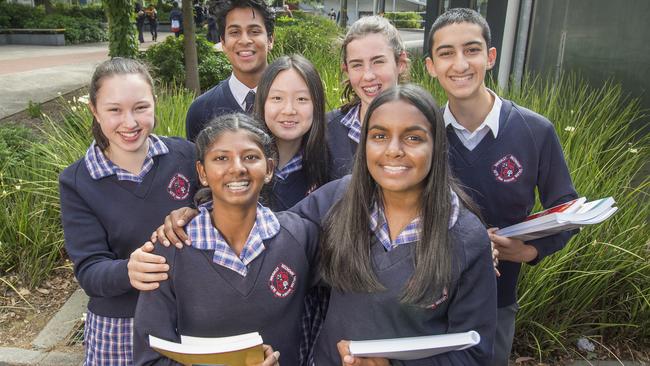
(315, 152)
(346, 263)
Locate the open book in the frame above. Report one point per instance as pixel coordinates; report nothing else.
(567, 216)
(239, 350)
(413, 348)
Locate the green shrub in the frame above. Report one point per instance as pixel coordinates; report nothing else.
(16, 15)
(77, 29)
(305, 34)
(15, 141)
(167, 62)
(405, 19)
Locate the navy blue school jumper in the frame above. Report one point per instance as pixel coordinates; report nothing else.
(502, 174)
(214, 102)
(470, 303)
(287, 192)
(204, 299)
(105, 220)
(341, 147)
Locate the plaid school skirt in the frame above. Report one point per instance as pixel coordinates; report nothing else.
(108, 341)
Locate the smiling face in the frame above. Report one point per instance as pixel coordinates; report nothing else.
(371, 67)
(246, 42)
(288, 109)
(124, 109)
(399, 148)
(460, 59)
(235, 168)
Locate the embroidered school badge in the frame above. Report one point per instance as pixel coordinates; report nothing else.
(507, 169)
(179, 187)
(282, 281)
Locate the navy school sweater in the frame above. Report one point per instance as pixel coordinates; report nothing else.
(214, 102)
(204, 299)
(502, 174)
(287, 192)
(105, 220)
(341, 147)
(471, 302)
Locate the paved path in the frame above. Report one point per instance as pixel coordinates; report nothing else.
(40, 73)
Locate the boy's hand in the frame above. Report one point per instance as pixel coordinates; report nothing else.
(348, 360)
(270, 358)
(513, 250)
(146, 270)
(173, 230)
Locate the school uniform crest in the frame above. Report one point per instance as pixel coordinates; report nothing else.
(179, 187)
(508, 169)
(282, 281)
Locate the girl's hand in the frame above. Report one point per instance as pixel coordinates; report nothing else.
(270, 358)
(348, 360)
(146, 270)
(513, 250)
(173, 230)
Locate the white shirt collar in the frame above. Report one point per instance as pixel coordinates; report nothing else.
(491, 120)
(239, 90)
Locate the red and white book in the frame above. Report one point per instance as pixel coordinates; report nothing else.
(567, 216)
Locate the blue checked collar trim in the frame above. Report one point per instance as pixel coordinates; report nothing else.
(411, 233)
(352, 122)
(205, 236)
(100, 167)
(379, 226)
(294, 165)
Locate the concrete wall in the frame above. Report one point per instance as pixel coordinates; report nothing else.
(35, 39)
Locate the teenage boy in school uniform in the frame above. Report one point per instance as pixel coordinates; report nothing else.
(246, 32)
(500, 152)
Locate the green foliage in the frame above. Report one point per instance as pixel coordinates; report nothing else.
(15, 140)
(77, 29)
(405, 19)
(34, 109)
(16, 15)
(167, 62)
(122, 34)
(305, 34)
(82, 24)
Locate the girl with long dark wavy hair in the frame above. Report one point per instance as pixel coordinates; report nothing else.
(401, 249)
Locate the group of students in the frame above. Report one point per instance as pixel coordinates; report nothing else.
(388, 201)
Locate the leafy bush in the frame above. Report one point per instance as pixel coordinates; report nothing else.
(16, 15)
(82, 24)
(305, 34)
(167, 62)
(405, 19)
(77, 29)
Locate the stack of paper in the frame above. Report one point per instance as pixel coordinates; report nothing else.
(564, 217)
(244, 350)
(413, 348)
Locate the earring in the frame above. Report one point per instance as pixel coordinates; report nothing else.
(267, 179)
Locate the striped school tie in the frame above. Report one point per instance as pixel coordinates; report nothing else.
(250, 100)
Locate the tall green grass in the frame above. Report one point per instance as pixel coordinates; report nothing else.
(598, 286)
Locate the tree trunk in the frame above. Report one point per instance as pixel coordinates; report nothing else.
(189, 49)
(121, 28)
(343, 14)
